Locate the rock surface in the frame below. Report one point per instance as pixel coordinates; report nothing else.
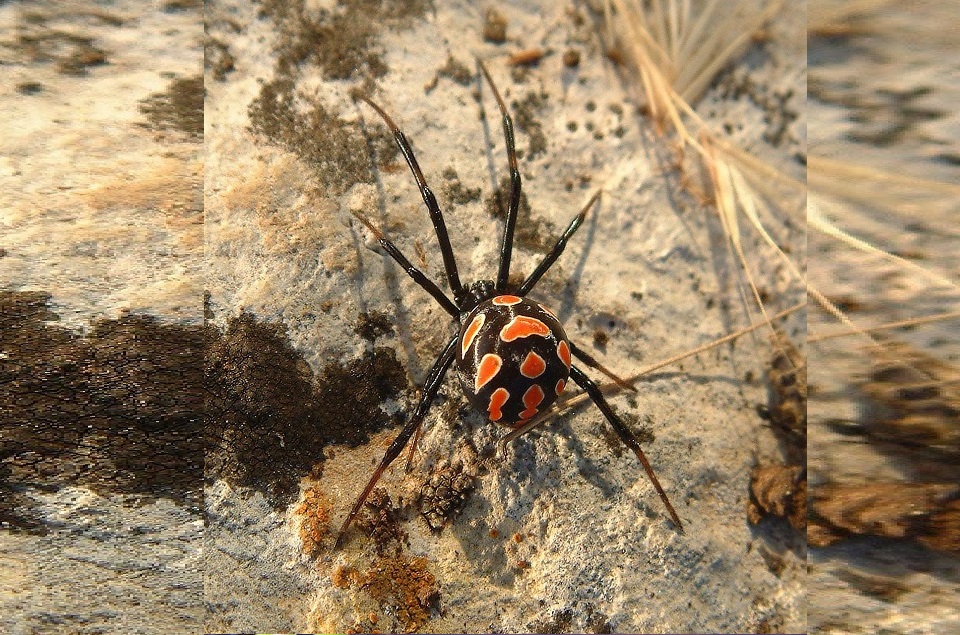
(882, 456)
(316, 341)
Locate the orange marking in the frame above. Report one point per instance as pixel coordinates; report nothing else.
(532, 366)
(489, 367)
(564, 352)
(506, 300)
(531, 399)
(497, 399)
(471, 334)
(523, 326)
(560, 386)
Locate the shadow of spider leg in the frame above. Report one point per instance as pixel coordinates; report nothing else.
(628, 438)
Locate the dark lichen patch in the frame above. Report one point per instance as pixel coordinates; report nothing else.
(344, 41)
(373, 325)
(179, 107)
(379, 520)
(525, 115)
(455, 191)
(532, 232)
(84, 55)
(29, 88)
(217, 57)
(443, 494)
(271, 419)
(559, 622)
(779, 106)
(587, 619)
(119, 410)
(326, 143)
(457, 71)
(174, 6)
(71, 53)
(889, 116)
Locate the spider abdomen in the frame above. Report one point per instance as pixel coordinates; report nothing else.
(513, 359)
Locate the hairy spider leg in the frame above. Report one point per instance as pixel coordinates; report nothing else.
(436, 216)
(430, 388)
(506, 245)
(628, 438)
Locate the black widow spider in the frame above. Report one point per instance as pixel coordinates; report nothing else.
(514, 358)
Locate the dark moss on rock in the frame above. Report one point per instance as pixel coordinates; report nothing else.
(373, 325)
(271, 418)
(335, 149)
(119, 410)
(343, 41)
(525, 116)
(178, 107)
(532, 232)
(457, 71)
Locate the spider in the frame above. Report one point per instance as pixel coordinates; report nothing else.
(512, 356)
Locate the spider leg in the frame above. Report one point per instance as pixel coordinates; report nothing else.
(558, 248)
(418, 276)
(436, 216)
(413, 447)
(592, 362)
(430, 388)
(628, 438)
(506, 246)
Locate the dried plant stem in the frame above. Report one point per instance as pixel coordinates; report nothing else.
(613, 388)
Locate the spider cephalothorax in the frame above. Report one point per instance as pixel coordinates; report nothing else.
(513, 357)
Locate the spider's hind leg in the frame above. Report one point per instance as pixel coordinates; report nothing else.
(628, 438)
(430, 388)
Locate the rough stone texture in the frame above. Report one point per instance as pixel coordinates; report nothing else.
(100, 254)
(101, 162)
(563, 532)
(882, 456)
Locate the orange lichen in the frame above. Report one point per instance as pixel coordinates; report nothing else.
(403, 587)
(343, 577)
(315, 524)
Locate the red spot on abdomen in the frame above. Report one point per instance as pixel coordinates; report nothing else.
(531, 399)
(506, 300)
(497, 399)
(471, 334)
(532, 366)
(560, 386)
(489, 367)
(523, 326)
(563, 351)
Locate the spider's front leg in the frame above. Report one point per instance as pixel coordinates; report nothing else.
(628, 438)
(430, 388)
